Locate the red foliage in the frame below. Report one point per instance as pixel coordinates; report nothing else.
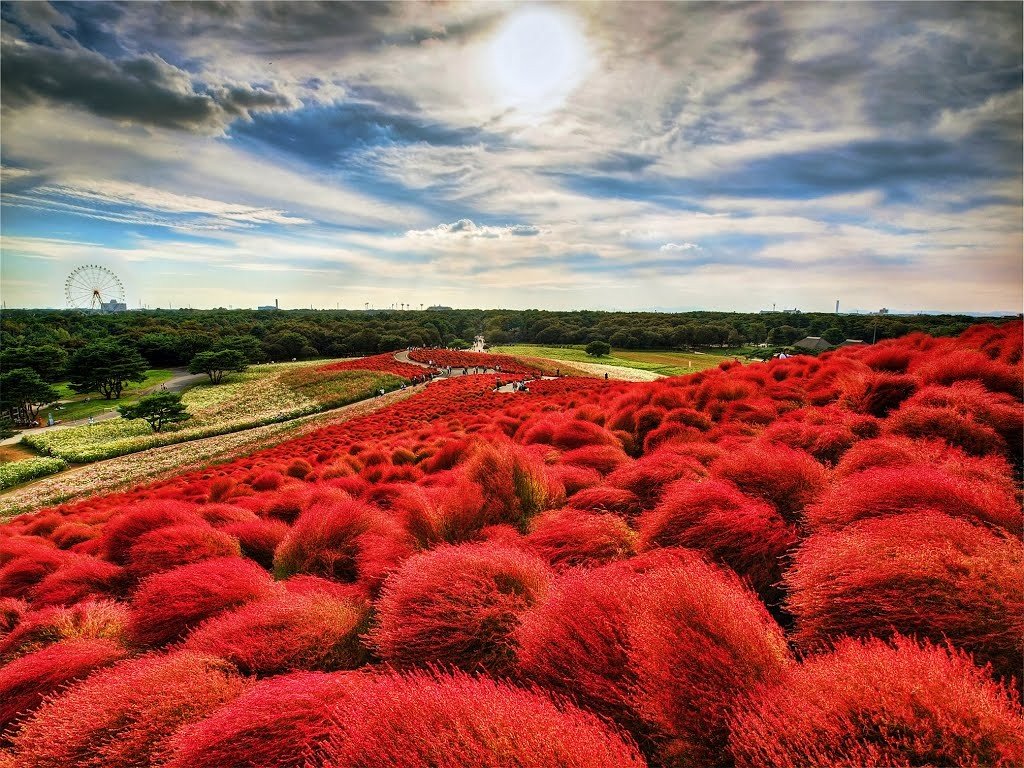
(647, 476)
(617, 501)
(121, 531)
(744, 533)
(277, 723)
(881, 491)
(288, 632)
(122, 716)
(871, 703)
(27, 680)
(457, 605)
(574, 641)
(80, 578)
(168, 603)
(165, 548)
(258, 539)
(698, 639)
(419, 720)
(340, 538)
(924, 574)
(570, 537)
(788, 478)
(99, 619)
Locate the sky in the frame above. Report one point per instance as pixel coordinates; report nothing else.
(623, 156)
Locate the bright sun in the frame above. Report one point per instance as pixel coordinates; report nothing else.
(536, 58)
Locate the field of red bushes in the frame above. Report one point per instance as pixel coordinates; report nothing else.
(806, 562)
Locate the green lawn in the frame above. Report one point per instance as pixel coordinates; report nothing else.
(92, 403)
(665, 363)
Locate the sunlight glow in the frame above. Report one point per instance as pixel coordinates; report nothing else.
(536, 59)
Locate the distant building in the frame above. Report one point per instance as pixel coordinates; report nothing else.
(848, 342)
(113, 306)
(268, 306)
(813, 344)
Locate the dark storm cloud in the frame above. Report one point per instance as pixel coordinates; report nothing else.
(144, 90)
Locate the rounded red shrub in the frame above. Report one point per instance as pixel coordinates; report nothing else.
(122, 530)
(697, 640)
(340, 538)
(925, 574)
(285, 633)
(258, 539)
(278, 723)
(617, 501)
(20, 574)
(731, 528)
(420, 720)
(570, 537)
(449, 513)
(11, 611)
(647, 476)
(788, 478)
(69, 534)
(219, 515)
(267, 481)
(603, 458)
(566, 432)
(871, 703)
(90, 619)
(122, 716)
(457, 605)
(883, 491)
(956, 428)
(168, 604)
(81, 577)
(166, 548)
(26, 681)
(513, 482)
(573, 478)
(574, 641)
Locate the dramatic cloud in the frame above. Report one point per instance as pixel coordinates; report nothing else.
(715, 155)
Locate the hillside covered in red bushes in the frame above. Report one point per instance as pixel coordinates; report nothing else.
(811, 561)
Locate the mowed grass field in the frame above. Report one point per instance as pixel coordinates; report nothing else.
(664, 363)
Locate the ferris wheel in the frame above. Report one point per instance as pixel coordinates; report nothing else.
(93, 287)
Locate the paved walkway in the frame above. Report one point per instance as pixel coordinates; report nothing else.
(403, 357)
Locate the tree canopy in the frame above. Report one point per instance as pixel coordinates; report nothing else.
(598, 348)
(22, 393)
(158, 410)
(105, 367)
(216, 364)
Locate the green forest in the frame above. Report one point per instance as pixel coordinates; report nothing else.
(174, 337)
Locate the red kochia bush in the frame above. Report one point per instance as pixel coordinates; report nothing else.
(258, 539)
(574, 641)
(697, 640)
(788, 478)
(458, 606)
(90, 619)
(924, 574)
(883, 491)
(121, 716)
(340, 538)
(571, 537)
(420, 720)
(731, 528)
(171, 546)
(275, 724)
(168, 604)
(870, 703)
(80, 578)
(648, 475)
(26, 681)
(124, 529)
(313, 631)
(601, 499)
